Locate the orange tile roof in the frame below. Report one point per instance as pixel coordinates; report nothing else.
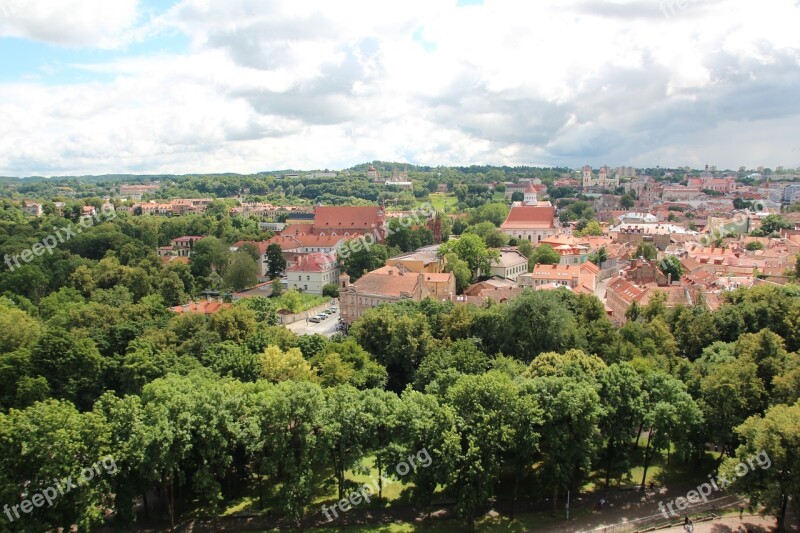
(534, 217)
(387, 281)
(286, 242)
(201, 307)
(344, 217)
(322, 241)
(627, 291)
(556, 271)
(314, 262)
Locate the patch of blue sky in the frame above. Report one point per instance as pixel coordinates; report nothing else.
(51, 64)
(27, 60)
(429, 46)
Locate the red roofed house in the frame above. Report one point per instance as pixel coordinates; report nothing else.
(620, 294)
(581, 278)
(312, 271)
(290, 250)
(531, 223)
(207, 308)
(347, 221)
(32, 208)
(322, 242)
(184, 245)
(391, 284)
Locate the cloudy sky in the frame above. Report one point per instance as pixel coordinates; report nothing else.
(146, 86)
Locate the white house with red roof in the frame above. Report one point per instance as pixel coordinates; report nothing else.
(530, 223)
(312, 272)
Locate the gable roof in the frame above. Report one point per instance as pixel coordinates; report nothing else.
(533, 217)
(313, 262)
(627, 291)
(344, 217)
(322, 241)
(286, 242)
(387, 281)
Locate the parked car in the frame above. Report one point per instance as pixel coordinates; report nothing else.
(315, 318)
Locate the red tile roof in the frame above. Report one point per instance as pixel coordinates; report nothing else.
(387, 281)
(188, 238)
(322, 241)
(201, 307)
(625, 290)
(347, 217)
(313, 262)
(286, 242)
(534, 217)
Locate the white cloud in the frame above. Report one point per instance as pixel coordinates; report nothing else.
(97, 23)
(283, 84)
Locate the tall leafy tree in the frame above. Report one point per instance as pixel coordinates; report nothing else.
(770, 444)
(276, 263)
(241, 272)
(544, 254)
(471, 249)
(623, 403)
(670, 415)
(484, 406)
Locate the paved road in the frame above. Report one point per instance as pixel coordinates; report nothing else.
(327, 327)
(600, 290)
(730, 525)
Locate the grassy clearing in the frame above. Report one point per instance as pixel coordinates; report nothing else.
(441, 201)
(297, 302)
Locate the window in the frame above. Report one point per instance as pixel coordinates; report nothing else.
(308, 278)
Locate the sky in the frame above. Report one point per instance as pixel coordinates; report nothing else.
(190, 86)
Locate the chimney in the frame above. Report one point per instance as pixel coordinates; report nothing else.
(391, 272)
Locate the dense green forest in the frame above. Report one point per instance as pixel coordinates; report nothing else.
(198, 410)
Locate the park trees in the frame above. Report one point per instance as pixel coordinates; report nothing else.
(484, 406)
(771, 442)
(670, 415)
